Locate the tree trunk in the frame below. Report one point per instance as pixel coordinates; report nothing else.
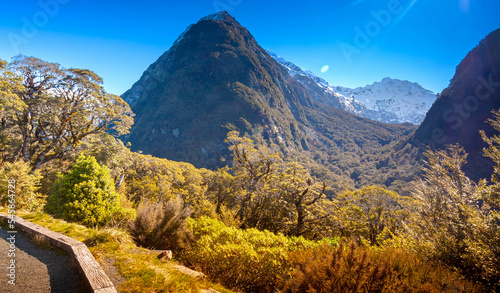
(120, 181)
(300, 221)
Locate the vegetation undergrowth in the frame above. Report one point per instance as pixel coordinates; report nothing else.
(265, 224)
(140, 268)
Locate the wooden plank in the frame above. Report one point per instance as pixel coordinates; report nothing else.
(94, 275)
(57, 239)
(106, 290)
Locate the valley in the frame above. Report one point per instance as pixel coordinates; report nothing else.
(257, 174)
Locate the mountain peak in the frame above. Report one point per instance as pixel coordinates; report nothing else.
(215, 78)
(219, 16)
(390, 100)
(388, 80)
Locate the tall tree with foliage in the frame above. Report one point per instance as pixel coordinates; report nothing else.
(255, 171)
(10, 103)
(305, 200)
(370, 211)
(274, 195)
(444, 197)
(457, 220)
(58, 109)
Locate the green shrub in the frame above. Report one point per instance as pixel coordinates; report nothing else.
(249, 260)
(26, 186)
(162, 225)
(86, 194)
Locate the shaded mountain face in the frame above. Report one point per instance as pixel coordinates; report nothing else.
(216, 78)
(465, 105)
(388, 101)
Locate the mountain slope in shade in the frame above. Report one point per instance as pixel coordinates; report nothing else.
(465, 105)
(388, 101)
(216, 78)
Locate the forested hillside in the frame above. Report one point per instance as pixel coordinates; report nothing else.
(270, 220)
(216, 78)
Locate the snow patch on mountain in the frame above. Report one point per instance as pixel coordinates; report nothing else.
(393, 100)
(221, 15)
(389, 101)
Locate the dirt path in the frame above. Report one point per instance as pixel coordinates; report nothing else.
(37, 269)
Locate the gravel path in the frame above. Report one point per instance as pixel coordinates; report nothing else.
(37, 269)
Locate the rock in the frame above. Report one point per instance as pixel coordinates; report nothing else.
(189, 272)
(165, 255)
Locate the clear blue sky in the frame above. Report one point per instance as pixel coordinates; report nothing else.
(417, 40)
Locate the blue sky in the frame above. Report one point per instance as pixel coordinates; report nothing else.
(361, 41)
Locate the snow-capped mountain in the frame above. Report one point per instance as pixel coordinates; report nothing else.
(389, 101)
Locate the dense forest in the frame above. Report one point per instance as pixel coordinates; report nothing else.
(261, 224)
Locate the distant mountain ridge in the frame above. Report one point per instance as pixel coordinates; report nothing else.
(388, 101)
(216, 78)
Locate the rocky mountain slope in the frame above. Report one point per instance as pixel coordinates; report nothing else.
(463, 107)
(217, 78)
(389, 101)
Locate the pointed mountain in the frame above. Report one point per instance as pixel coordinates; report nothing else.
(463, 108)
(217, 78)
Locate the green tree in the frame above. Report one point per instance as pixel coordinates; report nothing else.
(370, 211)
(110, 151)
(10, 103)
(444, 197)
(26, 185)
(255, 172)
(457, 220)
(86, 194)
(56, 109)
(304, 199)
(274, 195)
(161, 179)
